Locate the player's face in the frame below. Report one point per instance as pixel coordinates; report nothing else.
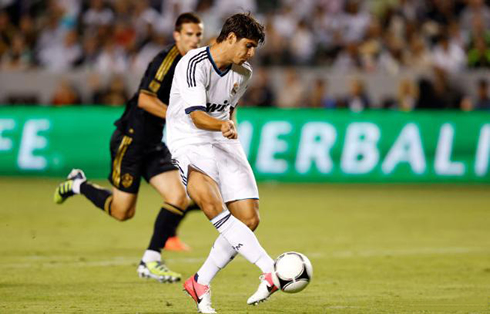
(189, 37)
(244, 49)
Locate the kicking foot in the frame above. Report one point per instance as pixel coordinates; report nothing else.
(65, 189)
(265, 290)
(175, 244)
(201, 294)
(157, 271)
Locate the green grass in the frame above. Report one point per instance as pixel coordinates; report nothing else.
(374, 249)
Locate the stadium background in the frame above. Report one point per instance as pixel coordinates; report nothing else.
(344, 91)
(372, 58)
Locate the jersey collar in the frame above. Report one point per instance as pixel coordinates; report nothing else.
(220, 73)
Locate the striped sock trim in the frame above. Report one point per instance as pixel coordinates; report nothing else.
(173, 209)
(107, 205)
(221, 221)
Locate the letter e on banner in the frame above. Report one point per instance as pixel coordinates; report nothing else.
(270, 144)
(31, 141)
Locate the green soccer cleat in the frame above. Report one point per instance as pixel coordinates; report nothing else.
(157, 271)
(65, 189)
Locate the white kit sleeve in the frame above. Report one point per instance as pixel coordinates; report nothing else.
(193, 84)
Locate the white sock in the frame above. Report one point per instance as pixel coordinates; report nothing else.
(76, 185)
(220, 255)
(151, 256)
(243, 240)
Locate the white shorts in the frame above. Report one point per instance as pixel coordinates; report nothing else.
(226, 163)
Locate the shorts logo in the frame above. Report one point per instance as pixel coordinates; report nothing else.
(127, 180)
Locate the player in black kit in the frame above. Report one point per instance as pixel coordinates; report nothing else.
(137, 151)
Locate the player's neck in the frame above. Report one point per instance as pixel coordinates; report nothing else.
(220, 56)
(180, 49)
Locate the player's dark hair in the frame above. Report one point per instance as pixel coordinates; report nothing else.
(186, 18)
(243, 25)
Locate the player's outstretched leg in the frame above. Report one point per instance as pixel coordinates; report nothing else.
(117, 204)
(243, 240)
(221, 254)
(247, 211)
(77, 183)
(200, 293)
(238, 235)
(69, 187)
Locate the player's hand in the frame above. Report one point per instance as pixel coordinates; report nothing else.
(228, 130)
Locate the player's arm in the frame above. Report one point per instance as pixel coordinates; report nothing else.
(205, 122)
(154, 93)
(193, 91)
(150, 103)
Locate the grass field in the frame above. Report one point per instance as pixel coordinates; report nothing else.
(374, 249)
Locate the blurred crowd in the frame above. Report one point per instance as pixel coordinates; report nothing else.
(388, 36)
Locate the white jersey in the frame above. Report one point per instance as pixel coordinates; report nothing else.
(198, 84)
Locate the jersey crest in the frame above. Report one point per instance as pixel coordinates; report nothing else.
(234, 90)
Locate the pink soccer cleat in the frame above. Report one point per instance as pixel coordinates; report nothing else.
(265, 290)
(200, 293)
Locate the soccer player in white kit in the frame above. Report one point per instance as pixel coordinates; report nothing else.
(202, 138)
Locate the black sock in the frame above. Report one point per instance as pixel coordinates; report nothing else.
(100, 197)
(173, 231)
(192, 206)
(167, 221)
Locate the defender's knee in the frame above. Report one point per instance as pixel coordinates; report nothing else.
(122, 214)
(180, 200)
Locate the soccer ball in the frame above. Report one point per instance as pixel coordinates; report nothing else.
(292, 272)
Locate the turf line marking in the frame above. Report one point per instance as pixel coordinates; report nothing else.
(64, 261)
(117, 261)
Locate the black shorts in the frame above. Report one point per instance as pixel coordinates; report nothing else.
(131, 160)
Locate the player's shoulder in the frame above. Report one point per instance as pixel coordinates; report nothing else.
(244, 69)
(169, 50)
(172, 48)
(195, 54)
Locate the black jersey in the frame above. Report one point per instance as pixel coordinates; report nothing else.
(138, 123)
